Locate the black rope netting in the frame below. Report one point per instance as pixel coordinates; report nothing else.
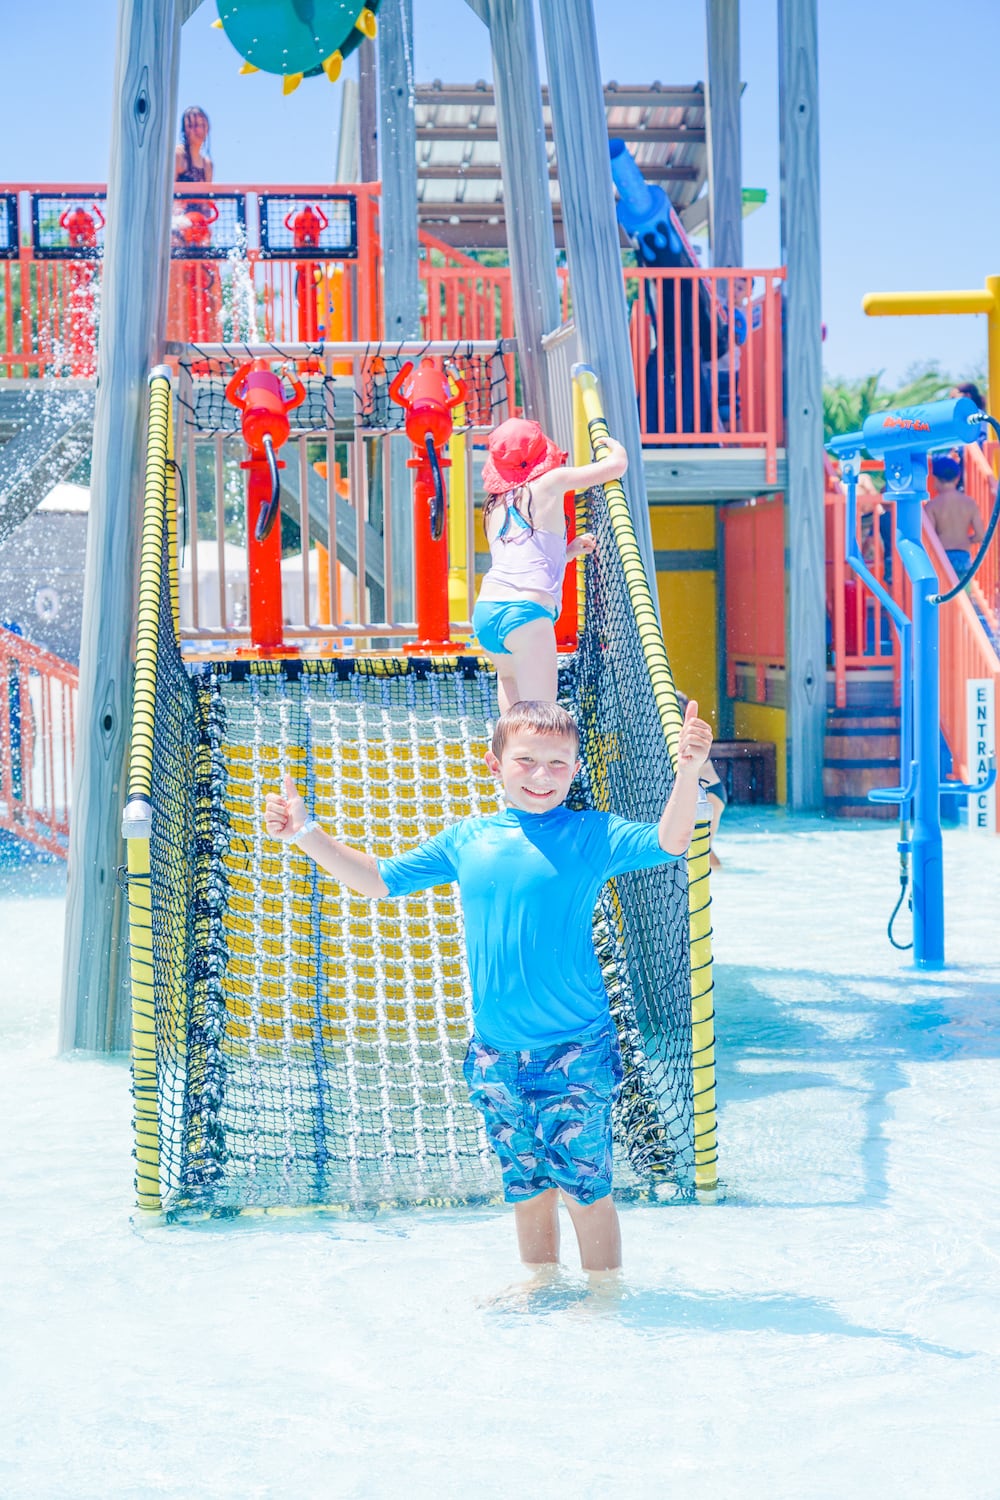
(309, 1042)
(355, 395)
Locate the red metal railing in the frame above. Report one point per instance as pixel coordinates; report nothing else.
(861, 633)
(980, 485)
(966, 653)
(696, 383)
(37, 738)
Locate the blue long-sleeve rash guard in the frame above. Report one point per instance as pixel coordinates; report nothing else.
(528, 884)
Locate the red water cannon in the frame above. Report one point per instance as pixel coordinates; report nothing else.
(199, 216)
(306, 226)
(259, 396)
(82, 226)
(429, 396)
(194, 229)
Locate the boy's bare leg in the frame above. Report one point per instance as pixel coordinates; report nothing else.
(598, 1233)
(537, 1224)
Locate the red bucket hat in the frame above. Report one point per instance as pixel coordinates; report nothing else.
(518, 452)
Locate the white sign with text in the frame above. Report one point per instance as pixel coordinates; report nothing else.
(981, 728)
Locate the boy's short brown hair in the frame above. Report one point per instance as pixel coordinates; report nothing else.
(543, 718)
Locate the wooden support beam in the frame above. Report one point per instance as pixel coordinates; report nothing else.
(531, 240)
(398, 233)
(725, 167)
(626, 96)
(592, 240)
(398, 216)
(663, 135)
(486, 171)
(805, 620)
(95, 1005)
(367, 113)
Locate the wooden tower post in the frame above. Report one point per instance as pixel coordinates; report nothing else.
(725, 168)
(95, 1005)
(398, 147)
(397, 142)
(579, 125)
(805, 618)
(527, 206)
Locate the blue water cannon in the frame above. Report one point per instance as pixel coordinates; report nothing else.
(644, 210)
(904, 439)
(923, 429)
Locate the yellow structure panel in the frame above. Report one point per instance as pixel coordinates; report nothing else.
(758, 721)
(687, 600)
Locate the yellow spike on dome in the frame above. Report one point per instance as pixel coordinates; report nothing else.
(248, 67)
(217, 24)
(367, 23)
(332, 66)
(291, 82)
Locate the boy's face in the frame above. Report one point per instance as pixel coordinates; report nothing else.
(536, 769)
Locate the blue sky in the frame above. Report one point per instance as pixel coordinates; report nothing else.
(909, 117)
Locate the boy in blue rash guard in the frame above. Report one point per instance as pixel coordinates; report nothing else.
(543, 1064)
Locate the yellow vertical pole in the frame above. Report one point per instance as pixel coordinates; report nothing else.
(137, 818)
(323, 563)
(993, 347)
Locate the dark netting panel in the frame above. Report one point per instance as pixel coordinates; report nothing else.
(212, 227)
(343, 400)
(8, 226)
(321, 1059)
(65, 226)
(324, 225)
(642, 931)
(186, 848)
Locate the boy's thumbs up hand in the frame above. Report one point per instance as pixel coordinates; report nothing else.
(695, 740)
(284, 815)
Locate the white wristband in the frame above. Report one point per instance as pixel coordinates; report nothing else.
(310, 826)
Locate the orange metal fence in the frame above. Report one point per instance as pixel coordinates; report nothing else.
(980, 485)
(861, 632)
(696, 383)
(37, 736)
(966, 653)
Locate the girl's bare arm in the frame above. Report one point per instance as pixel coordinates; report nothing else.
(583, 476)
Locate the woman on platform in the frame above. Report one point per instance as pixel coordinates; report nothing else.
(192, 162)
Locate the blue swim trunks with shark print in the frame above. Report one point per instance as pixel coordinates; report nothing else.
(547, 1114)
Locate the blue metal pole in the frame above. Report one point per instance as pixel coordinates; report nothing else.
(925, 837)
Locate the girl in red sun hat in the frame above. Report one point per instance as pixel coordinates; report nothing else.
(525, 477)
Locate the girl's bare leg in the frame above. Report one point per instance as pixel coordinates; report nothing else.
(598, 1233)
(533, 662)
(537, 1225)
(507, 694)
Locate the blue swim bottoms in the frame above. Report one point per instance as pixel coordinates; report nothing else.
(548, 1114)
(494, 619)
(959, 557)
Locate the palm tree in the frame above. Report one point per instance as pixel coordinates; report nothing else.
(846, 403)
